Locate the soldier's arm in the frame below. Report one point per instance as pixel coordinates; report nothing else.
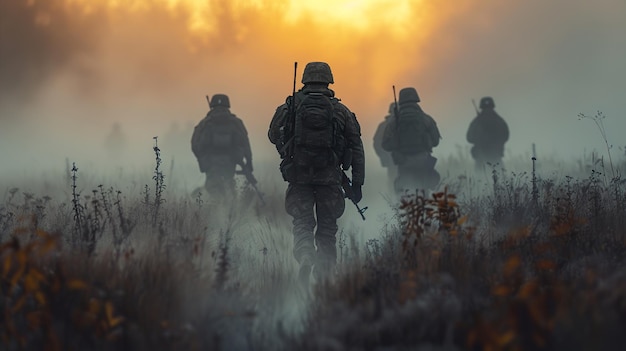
(436, 135)
(196, 141)
(501, 130)
(471, 133)
(390, 141)
(355, 145)
(378, 139)
(433, 131)
(505, 127)
(245, 144)
(274, 133)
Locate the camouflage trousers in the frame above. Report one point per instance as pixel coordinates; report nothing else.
(310, 206)
(220, 185)
(417, 172)
(392, 174)
(486, 158)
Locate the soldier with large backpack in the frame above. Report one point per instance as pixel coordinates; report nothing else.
(410, 137)
(220, 143)
(488, 132)
(317, 138)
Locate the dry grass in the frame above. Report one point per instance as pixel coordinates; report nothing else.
(523, 262)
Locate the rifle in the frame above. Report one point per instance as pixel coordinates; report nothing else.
(252, 181)
(395, 105)
(208, 101)
(288, 129)
(346, 184)
(475, 108)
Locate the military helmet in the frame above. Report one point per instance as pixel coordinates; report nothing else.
(392, 107)
(317, 72)
(219, 100)
(487, 102)
(408, 95)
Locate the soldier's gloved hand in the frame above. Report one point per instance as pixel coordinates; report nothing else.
(357, 195)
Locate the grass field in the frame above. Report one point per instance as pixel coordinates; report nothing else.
(503, 260)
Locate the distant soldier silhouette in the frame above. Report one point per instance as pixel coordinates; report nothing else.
(410, 137)
(116, 142)
(316, 136)
(488, 132)
(386, 161)
(220, 143)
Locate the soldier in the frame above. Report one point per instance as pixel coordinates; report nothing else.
(385, 157)
(317, 136)
(220, 143)
(410, 137)
(116, 143)
(488, 132)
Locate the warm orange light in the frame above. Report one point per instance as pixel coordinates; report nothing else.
(370, 45)
(355, 15)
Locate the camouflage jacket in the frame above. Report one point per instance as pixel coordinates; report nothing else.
(347, 137)
(488, 131)
(412, 132)
(217, 121)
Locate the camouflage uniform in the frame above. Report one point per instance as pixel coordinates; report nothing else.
(314, 195)
(410, 138)
(220, 142)
(386, 161)
(488, 132)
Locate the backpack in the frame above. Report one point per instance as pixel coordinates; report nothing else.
(314, 132)
(219, 133)
(411, 132)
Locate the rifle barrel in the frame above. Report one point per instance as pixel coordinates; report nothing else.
(347, 188)
(475, 108)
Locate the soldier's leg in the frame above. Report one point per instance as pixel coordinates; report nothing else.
(392, 173)
(299, 204)
(428, 176)
(398, 183)
(329, 206)
(211, 184)
(228, 184)
(222, 180)
(406, 180)
(433, 178)
(214, 186)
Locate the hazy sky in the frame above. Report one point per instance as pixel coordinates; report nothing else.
(69, 69)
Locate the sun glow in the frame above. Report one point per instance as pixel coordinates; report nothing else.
(150, 45)
(359, 15)
(203, 15)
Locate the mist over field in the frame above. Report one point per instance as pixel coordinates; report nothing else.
(109, 255)
(70, 70)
